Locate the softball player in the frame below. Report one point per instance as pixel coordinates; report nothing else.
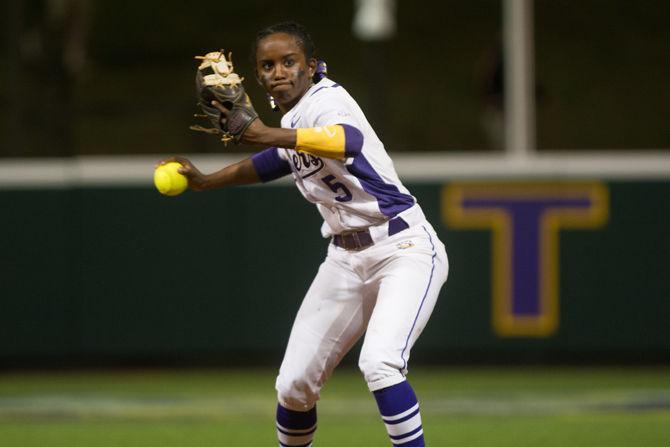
(385, 265)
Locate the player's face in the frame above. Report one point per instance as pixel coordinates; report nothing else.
(283, 70)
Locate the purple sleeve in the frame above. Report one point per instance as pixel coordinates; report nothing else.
(269, 166)
(353, 141)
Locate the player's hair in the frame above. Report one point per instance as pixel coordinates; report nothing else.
(304, 41)
(296, 30)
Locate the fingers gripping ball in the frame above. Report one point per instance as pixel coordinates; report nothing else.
(168, 180)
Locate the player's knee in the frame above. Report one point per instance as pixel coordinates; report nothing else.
(379, 372)
(296, 393)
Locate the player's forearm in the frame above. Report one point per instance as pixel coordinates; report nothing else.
(242, 173)
(337, 141)
(262, 135)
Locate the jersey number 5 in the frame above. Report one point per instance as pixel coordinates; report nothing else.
(337, 187)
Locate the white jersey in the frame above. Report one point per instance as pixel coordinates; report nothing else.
(356, 193)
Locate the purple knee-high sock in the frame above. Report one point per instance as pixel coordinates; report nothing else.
(399, 409)
(295, 428)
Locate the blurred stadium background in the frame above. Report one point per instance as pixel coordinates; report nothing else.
(128, 318)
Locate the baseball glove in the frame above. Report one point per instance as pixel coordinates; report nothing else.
(215, 80)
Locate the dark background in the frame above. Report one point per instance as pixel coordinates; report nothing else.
(116, 77)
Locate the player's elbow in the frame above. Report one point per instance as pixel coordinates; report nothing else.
(353, 141)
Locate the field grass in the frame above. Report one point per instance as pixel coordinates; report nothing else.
(474, 407)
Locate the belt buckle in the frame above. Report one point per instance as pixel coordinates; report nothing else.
(357, 241)
(351, 240)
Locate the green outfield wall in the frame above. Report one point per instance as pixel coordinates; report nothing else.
(119, 274)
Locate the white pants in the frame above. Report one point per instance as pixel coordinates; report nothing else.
(387, 291)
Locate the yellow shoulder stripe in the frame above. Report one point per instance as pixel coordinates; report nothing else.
(326, 141)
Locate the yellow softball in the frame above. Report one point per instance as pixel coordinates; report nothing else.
(168, 180)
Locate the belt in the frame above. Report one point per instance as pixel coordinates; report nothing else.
(358, 240)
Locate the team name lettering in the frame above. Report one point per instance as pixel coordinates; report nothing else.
(306, 164)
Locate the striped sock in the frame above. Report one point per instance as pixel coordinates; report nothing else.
(400, 412)
(295, 428)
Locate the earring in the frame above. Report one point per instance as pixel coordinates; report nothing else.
(273, 105)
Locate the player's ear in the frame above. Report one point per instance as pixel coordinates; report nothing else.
(311, 67)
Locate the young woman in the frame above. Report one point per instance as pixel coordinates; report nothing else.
(385, 266)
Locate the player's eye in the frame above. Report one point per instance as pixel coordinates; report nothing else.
(266, 65)
(289, 62)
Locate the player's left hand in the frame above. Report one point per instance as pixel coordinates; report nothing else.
(217, 83)
(242, 121)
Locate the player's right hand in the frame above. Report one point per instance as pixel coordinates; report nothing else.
(197, 181)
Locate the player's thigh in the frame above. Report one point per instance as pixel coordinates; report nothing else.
(331, 319)
(408, 287)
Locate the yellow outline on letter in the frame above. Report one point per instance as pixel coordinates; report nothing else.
(499, 221)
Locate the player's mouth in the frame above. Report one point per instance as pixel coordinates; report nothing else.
(281, 86)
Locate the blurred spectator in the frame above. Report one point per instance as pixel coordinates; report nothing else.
(490, 83)
(489, 77)
(49, 59)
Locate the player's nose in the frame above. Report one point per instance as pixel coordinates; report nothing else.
(280, 72)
